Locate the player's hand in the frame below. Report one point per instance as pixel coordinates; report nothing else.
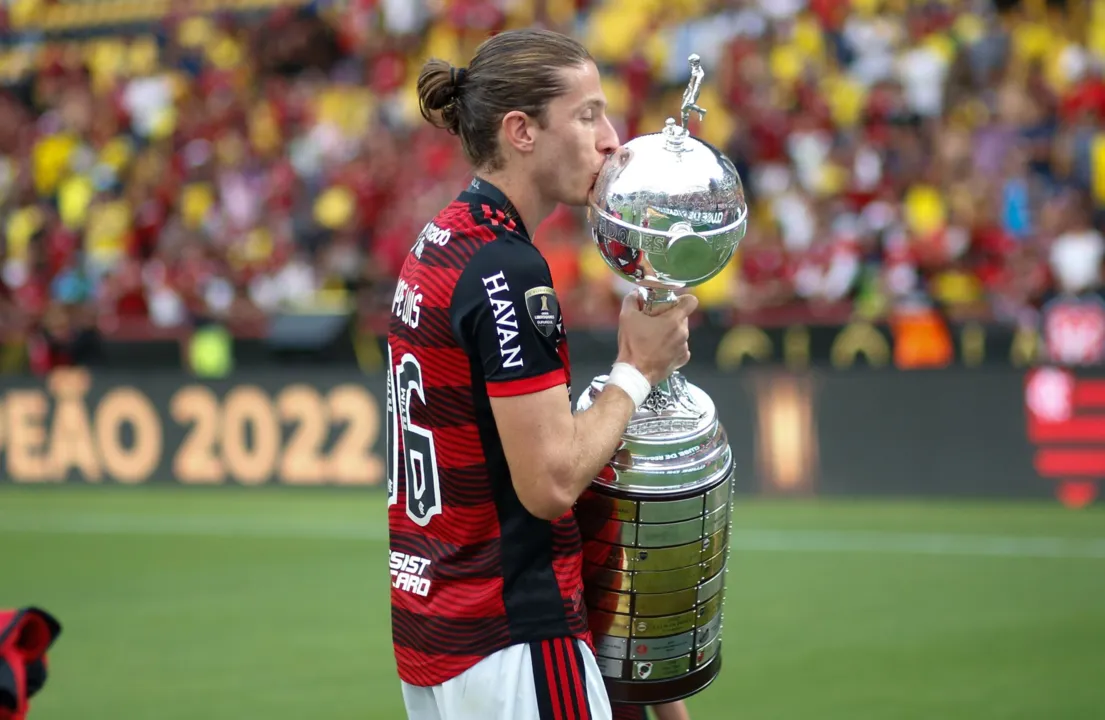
(655, 344)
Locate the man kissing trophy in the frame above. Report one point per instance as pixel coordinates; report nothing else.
(667, 213)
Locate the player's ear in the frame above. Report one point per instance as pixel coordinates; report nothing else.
(518, 131)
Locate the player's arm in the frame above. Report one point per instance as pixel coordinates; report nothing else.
(555, 455)
(500, 316)
(506, 314)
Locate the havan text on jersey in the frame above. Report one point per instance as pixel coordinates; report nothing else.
(506, 320)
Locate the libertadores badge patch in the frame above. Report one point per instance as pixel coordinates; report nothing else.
(543, 309)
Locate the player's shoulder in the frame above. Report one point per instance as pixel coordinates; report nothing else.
(452, 227)
(507, 269)
(508, 251)
(467, 229)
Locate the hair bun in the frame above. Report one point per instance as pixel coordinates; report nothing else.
(456, 76)
(438, 87)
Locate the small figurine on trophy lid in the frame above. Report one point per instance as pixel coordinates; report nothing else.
(694, 88)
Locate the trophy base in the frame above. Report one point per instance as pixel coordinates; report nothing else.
(658, 692)
(655, 526)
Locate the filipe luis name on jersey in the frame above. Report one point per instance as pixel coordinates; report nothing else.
(407, 303)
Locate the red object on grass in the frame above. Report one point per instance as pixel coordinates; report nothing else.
(25, 636)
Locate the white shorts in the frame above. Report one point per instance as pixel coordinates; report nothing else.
(554, 679)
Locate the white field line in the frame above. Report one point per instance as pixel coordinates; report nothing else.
(374, 530)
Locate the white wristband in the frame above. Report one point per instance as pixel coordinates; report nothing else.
(630, 379)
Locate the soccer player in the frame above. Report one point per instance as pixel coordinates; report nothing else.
(485, 457)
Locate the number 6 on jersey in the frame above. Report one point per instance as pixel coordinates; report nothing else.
(423, 488)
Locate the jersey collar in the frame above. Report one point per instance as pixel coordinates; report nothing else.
(481, 192)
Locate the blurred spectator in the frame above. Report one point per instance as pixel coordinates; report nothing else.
(226, 167)
(1076, 257)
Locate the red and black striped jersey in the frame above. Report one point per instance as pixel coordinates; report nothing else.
(629, 712)
(474, 316)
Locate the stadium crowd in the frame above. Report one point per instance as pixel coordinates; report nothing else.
(938, 153)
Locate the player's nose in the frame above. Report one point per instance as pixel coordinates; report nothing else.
(608, 141)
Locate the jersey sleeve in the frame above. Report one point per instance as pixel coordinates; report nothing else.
(505, 313)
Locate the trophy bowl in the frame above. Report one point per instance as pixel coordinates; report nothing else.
(668, 210)
(667, 213)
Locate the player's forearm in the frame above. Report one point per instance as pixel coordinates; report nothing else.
(597, 433)
(554, 454)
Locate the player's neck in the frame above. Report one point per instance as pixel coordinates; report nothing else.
(523, 194)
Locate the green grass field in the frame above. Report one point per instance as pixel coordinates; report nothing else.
(273, 604)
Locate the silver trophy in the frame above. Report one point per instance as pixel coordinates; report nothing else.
(667, 213)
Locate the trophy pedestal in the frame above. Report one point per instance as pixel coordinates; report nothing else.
(664, 691)
(655, 526)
